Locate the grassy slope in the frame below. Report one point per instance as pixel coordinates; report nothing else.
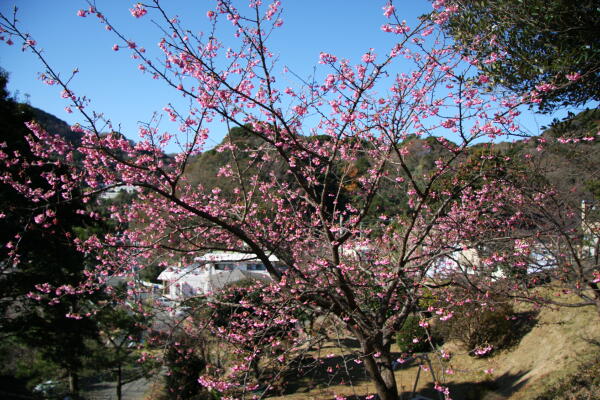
(557, 345)
(553, 350)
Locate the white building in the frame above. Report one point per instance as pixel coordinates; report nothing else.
(211, 272)
(591, 229)
(112, 193)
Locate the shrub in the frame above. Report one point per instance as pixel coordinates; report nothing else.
(412, 337)
(482, 330)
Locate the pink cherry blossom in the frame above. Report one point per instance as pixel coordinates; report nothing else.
(388, 10)
(138, 10)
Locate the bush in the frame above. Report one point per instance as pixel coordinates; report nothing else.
(482, 330)
(411, 332)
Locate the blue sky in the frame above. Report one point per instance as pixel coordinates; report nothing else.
(117, 89)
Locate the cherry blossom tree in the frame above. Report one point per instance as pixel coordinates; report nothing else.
(559, 229)
(308, 190)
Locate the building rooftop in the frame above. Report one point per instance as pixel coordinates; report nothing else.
(230, 256)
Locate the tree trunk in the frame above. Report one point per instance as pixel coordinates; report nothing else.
(74, 384)
(119, 382)
(596, 291)
(380, 370)
(387, 373)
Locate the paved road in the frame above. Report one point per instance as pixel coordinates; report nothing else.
(135, 390)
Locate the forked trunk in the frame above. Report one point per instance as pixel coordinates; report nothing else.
(378, 363)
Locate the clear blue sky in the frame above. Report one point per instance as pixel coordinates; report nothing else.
(111, 79)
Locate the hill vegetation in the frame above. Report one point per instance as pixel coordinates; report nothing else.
(572, 168)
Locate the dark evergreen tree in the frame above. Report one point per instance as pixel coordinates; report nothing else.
(46, 254)
(545, 41)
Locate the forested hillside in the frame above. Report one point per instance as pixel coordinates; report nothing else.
(572, 168)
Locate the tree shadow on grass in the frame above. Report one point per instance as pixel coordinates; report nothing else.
(499, 388)
(522, 324)
(591, 341)
(347, 342)
(309, 373)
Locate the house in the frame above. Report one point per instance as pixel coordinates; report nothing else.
(536, 260)
(112, 193)
(590, 224)
(137, 289)
(211, 272)
(465, 260)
